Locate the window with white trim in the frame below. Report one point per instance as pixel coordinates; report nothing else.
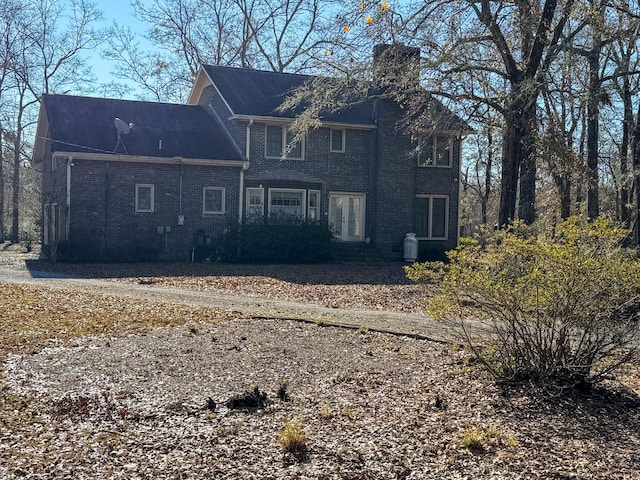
(277, 140)
(213, 200)
(435, 151)
(254, 208)
(432, 213)
(144, 197)
(313, 205)
(337, 140)
(286, 205)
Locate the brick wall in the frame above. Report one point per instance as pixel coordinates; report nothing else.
(378, 163)
(399, 180)
(103, 216)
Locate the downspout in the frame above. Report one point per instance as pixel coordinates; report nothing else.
(180, 188)
(68, 219)
(459, 181)
(240, 208)
(247, 150)
(247, 146)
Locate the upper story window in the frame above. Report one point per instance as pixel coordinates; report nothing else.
(277, 140)
(337, 140)
(212, 200)
(435, 151)
(144, 197)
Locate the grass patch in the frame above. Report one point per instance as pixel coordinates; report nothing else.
(31, 315)
(293, 439)
(479, 439)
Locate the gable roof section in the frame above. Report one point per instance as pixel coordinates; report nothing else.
(86, 124)
(258, 93)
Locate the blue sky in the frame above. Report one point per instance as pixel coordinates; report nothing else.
(120, 12)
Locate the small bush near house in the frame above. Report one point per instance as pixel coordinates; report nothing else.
(76, 252)
(553, 305)
(305, 242)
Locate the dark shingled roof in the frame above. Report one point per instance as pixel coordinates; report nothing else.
(86, 124)
(259, 93)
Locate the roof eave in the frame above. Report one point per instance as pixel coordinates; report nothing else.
(288, 120)
(198, 86)
(40, 143)
(109, 157)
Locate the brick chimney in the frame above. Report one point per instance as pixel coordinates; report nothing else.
(396, 64)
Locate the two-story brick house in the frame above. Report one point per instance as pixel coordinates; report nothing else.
(181, 174)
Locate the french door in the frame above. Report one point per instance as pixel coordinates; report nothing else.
(346, 215)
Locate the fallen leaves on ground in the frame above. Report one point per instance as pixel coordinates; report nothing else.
(31, 315)
(377, 286)
(99, 386)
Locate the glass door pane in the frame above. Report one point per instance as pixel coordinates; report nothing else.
(346, 214)
(354, 219)
(335, 215)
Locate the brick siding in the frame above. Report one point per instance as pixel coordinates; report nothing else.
(104, 218)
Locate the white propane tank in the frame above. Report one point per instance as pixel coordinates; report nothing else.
(410, 247)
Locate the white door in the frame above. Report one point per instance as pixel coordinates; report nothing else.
(346, 214)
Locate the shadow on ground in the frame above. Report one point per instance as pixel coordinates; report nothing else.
(317, 274)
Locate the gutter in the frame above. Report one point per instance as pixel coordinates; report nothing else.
(108, 157)
(287, 121)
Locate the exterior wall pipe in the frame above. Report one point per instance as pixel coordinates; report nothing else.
(247, 146)
(67, 226)
(241, 193)
(247, 155)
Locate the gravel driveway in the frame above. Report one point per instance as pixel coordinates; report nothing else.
(13, 269)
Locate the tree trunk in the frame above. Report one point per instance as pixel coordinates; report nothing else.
(518, 157)
(1, 187)
(593, 97)
(509, 179)
(15, 185)
(563, 185)
(627, 125)
(635, 149)
(487, 178)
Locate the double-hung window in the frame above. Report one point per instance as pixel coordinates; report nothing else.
(144, 197)
(212, 200)
(435, 151)
(337, 140)
(255, 205)
(432, 212)
(313, 205)
(277, 143)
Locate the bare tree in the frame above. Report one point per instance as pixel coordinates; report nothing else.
(11, 31)
(44, 57)
(278, 35)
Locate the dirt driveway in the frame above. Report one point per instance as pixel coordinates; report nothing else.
(373, 296)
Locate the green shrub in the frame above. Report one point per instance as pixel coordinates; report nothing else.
(303, 242)
(556, 305)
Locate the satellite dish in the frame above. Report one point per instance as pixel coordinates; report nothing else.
(122, 127)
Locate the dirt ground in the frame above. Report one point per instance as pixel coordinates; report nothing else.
(134, 371)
